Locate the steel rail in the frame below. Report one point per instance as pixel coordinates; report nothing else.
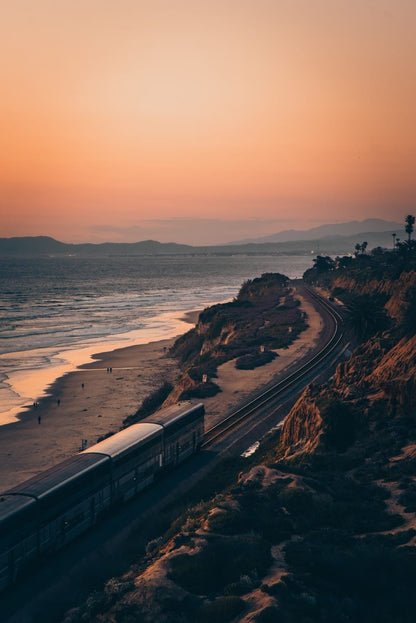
(275, 390)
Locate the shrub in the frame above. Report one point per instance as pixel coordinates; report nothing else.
(221, 610)
(229, 522)
(187, 346)
(124, 612)
(408, 499)
(268, 615)
(220, 563)
(255, 359)
(245, 585)
(339, 422)
(202, 390)
(150, 404)
(115, 587)
(154, 545)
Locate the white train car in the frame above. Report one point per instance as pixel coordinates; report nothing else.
(135, 454)
(183, 431)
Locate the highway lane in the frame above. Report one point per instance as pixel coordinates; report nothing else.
(116, 542)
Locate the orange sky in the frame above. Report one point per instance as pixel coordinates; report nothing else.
(117, 114)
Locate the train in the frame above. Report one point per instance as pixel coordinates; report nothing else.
(46, 512)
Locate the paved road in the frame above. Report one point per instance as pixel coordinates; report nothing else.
(118, 541)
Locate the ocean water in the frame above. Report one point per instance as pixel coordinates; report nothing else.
(56, 312)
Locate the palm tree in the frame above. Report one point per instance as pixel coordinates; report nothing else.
(410, 221)
(394, 240)
(365, 315)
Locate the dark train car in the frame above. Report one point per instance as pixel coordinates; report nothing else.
(136, 456)
(69, 497)
(49, 510)
(18, 535)
(183, 431)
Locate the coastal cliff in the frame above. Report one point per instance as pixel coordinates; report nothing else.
(263, 317)
(381, 372)
(303, 427)
(318, 525)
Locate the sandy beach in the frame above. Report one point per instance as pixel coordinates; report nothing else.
(94, 401)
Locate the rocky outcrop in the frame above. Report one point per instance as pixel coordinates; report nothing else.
(354, 372)
(264, 316)
(302, 428)
(155, 591)
(395, 376)
(380, 370)
(400, 289)
(394, 291)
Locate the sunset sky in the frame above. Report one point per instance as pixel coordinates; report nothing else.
(153, 118)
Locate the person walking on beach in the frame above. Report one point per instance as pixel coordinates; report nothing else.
(39, 419)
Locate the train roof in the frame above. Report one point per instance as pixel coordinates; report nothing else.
(170, 415)
(129, 438)
(12, 505)
(51, 479)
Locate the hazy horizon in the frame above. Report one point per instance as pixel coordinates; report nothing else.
(212, 232)
(143, 117)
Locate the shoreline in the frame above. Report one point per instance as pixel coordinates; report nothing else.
(94, 401)
(85, 403)
(33, 386)
(82, 405)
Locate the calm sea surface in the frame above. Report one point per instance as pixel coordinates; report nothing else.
(52, 308)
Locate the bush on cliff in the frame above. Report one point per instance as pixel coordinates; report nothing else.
(255, 359)
(150, 404)
(339, 424)
(221, 610)
(200, 390)
(365, 314)
(220, 564)
(256, 317)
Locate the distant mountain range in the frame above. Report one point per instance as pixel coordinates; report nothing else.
(44, 245)
(324, 239)
(323, 231)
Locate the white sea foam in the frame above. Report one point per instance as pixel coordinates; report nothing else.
(57, 312)
(22, 387)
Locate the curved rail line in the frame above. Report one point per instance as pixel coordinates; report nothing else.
(272, 392)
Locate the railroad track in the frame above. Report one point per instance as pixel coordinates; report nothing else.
(272, 392)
